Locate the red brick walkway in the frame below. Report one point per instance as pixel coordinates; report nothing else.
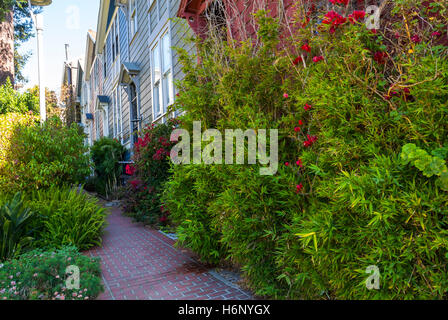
(141, 264)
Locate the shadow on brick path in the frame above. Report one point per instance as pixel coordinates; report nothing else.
(142, 264)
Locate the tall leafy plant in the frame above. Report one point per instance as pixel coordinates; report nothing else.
(106, 154)
(15, 233)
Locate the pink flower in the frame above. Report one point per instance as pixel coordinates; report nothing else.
(436, 34)
(287, 164)
(416, 39)
(318, 58)
(285, 95)
(299, 188)
(299, 163)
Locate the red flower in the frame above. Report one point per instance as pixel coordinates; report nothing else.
(334, 19)
(306, 47)
(300, 122)
(311, 140)
(380, 57)
(356, 16)
(299, 188)
(285, 95)
(297, 60)
(299, 163)
(297, 129)
(344, 2)
(135, 183)
(130, 170)
(307, 107)
(436, 34)
(287, 164)
(318, 58)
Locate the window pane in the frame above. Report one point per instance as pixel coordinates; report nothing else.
(168, 89)
(156, 100)
(156, 63)
(166, 47)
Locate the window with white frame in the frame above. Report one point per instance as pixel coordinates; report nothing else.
(162, 75)
(133, 18)
(117, 113)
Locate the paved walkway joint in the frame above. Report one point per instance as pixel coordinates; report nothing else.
(142, 264)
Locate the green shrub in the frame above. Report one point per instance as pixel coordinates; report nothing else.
(342, 200)
(42, 275)
(9, 124)
(66, 217)
(188, 195)
(106, 154)
(14, 231)
(12, 101)
(149, 172)
(38, 157)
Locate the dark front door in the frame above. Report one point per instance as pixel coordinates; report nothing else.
(135, 120)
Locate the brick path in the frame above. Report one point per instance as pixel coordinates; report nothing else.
(141, 264)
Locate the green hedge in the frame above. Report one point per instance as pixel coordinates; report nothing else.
(350, 201)
(38, 157)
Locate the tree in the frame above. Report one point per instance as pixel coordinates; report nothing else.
(51, 100)
(6, 41)
(13, 101)
(16, 27)
(23, 31)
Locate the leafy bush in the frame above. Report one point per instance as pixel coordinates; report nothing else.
(106, 154)
(345, 101)
(66, 217)
(14, 231)
(9, 124)
(12, 101)
(188, 195)
(42, 275)
(37, 157)
(150, 171)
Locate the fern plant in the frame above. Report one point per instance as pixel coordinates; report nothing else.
(15, 219)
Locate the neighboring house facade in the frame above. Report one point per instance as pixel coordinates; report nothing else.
(69, 96)
(130, 67)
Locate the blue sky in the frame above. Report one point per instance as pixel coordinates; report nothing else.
(66, 21)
